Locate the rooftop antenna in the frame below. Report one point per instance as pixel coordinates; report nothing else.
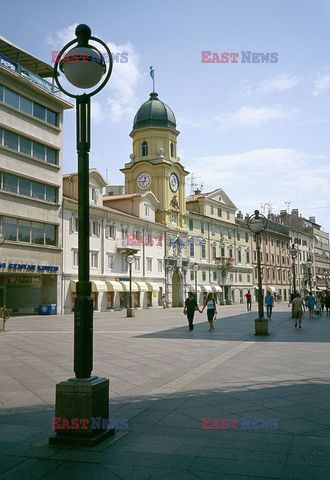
(288, 205)
(263, 207)
(152, 75)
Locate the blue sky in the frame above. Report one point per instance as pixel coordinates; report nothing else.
(259, 131)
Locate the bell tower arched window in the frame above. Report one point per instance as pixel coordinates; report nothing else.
(144, 149)
(172, 149)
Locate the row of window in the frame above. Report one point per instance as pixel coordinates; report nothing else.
(271, 241)
(94, 262)
(231, 233)
(25, 231)
(268, 257)
(28, 188)
(241, 276)
(26, 105)
(270, 274)
(28, 147)
(222, 252)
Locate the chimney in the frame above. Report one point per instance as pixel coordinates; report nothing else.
(197, 191)
(312, 219)
(295, 212)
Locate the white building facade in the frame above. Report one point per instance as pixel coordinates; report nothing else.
(119, 225)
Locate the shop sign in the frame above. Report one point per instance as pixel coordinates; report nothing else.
(29, 268)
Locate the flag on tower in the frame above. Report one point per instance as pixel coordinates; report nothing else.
(152, 75)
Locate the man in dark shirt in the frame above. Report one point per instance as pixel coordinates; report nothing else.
(190, 307)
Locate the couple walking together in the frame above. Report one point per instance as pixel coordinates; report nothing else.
(191, 306)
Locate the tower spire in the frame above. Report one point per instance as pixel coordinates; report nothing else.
(152, 75)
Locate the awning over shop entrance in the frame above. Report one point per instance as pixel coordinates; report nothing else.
(191, 288)
(97, 286)
(143, 286)
(216, 288)
(152, 287)
(125, 284)
(206, 288)
(114, 286)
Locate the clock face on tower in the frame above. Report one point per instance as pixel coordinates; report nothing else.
(144, 181)
(174, 182)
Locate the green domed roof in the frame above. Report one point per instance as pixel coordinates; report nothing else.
(154, 113)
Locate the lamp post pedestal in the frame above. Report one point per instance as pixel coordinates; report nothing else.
(82, 412)
(130, 312)
(261, 326)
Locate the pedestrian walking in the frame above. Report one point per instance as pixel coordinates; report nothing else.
(269, 303)
(164, 300)
(327, 303)
(190, 308)
(298, 308)
(310, 302)
(211, 310)
(248, 297)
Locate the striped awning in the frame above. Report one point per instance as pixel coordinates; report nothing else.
(97, 286)
(143, 286)
(216, 288)
(135, 287)
(206, 288)
(114, 286)
(191, 288)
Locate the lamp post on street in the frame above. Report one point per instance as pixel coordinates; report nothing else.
(257, 223)
(309, 264)
(84, 396)
(196, 268)
(130, 260)
(293, 251)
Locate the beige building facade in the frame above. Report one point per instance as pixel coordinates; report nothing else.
(31, 122)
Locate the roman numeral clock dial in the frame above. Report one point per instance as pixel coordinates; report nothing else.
(144, 181)
(174, 182)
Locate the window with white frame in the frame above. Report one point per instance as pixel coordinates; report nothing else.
(149, 264)
(239, 256)
(74, 224)
(219, 212)
(203, 250)
(239, 277)
(248, 278)
(93, 195)
(228, 215)
(214, 275)
(149, 239)
(110, 257)
(191, 249)
(146, 210)
(202, 227)
(191, 224)
(95, 230)
(160, 265)
(238, 234)
(137, 264)
(213, 229)
(203, 276)
(94, 259)
(192, 275)
(124, 264)
(212, 210)
(75, 258)
(229, 232)
(110, 231)
(214, 252)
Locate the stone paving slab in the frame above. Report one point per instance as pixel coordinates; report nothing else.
(164, 379)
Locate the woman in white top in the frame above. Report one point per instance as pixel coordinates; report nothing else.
(211, 310)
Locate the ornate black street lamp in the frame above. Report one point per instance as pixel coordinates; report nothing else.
(130, 260)
(309, 264)
(84, 396)
(257, 223)
(293, 251)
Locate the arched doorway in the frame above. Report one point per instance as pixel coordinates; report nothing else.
(177, 290)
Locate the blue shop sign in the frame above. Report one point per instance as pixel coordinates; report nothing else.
(29, 268)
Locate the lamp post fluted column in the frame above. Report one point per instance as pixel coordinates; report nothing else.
(85, 396)
(257, 223)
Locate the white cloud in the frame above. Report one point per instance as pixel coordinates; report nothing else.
(280, 83)
(269, 174)
(322, 83)
(251, 116)
(120, 98)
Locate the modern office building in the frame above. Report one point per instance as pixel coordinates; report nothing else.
(31, 120)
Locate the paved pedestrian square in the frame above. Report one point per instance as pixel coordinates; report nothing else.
(164, 380)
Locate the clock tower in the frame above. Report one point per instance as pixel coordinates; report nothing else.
(155, 165)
